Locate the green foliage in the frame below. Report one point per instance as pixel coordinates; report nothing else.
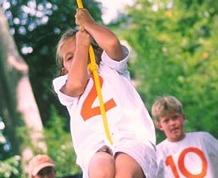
(37, 27)
(23, 136)
(60, 146)
(176, 47)
(10, 167)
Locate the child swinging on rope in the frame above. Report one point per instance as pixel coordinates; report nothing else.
(132, 154)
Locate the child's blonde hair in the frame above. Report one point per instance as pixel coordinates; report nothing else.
(164, 106)
(67, 35)
(71, 34)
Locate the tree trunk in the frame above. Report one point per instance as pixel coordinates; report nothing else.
(17, 102)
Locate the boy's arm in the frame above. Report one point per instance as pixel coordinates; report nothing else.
(105, 38)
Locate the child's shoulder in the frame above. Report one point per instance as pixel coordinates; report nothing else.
(198, 134)
(201, 136)
(162, 144)
(59, 82)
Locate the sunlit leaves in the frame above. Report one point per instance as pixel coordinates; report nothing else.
(176, 46)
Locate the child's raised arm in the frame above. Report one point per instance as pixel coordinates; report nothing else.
(75, 60)
(105, 38)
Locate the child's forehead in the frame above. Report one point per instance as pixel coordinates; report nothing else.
(169, 114)
(69, 40)
(67, 44)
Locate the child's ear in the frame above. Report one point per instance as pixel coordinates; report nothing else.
(158, 125)
(63, 71)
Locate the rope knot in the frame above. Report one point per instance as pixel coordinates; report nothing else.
(93, 67)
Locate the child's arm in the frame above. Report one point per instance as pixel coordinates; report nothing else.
(77, 73)
(106, 39)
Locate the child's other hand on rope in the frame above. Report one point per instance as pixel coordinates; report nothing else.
(104, 37)
(83, 39)
(83, 18)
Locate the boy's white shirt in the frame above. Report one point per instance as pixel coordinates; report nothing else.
(186, 153)
(129, 118)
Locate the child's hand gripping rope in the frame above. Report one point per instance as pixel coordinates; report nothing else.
(93, 67)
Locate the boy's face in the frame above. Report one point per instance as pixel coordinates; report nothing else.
(172, 126)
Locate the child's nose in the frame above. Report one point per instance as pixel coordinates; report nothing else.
(172, 121)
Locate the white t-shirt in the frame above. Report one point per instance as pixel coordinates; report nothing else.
(194, 156)
(126, 113)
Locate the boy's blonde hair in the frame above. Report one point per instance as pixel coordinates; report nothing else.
(71, 34)
(164, 106)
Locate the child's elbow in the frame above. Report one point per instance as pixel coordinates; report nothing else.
(78, 89)
(113, 42)
(74, 90)
(114, 49)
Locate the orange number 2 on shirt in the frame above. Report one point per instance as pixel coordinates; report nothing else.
(87, 110)
(170, 162)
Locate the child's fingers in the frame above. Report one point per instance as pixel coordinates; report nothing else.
(83, 38)
(81, 9)
(82, 12)
(83, 33)
(79, 16)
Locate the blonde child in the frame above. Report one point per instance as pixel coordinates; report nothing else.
(132, 154)
(182, 155)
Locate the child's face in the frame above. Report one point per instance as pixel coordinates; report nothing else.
(67, 52)
(172, 126)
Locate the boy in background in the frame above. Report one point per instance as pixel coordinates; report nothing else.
(182, 155)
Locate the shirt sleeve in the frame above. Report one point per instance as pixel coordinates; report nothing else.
(212, 143)
(120, 66)
(64, 99)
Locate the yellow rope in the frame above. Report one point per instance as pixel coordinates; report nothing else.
(93, 67)
(79, 3)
